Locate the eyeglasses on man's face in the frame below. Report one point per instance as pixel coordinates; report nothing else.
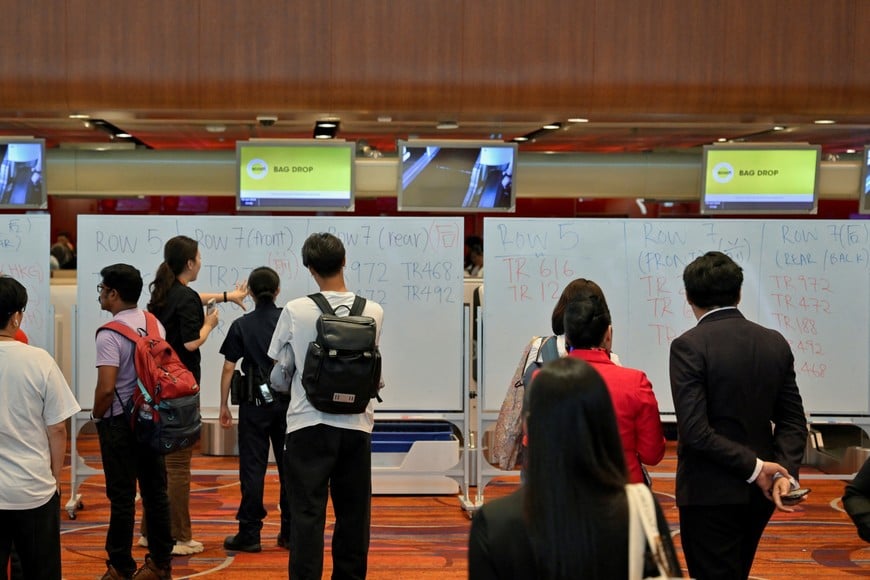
(101, 287)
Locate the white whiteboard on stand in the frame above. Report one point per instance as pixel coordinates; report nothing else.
(411, 266)
(24, 255)
(807, 279)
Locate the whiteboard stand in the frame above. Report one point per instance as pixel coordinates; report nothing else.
(79, 470)
(470, 450)
(473, 458)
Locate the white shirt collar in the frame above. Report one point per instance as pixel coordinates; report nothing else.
(709, 312)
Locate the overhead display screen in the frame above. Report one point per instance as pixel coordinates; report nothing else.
(275, 176)
(864, 188)
(22, 181)
(760, 179)
(457, 176)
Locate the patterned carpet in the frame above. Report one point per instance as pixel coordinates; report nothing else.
(425, 537)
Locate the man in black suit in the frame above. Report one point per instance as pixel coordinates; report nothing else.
(740, 423)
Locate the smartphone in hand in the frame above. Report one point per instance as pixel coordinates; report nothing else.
(794, 497)
(210, 306)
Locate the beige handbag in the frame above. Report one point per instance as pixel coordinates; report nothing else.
(643, 530)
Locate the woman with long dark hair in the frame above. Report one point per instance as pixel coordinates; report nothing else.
(180, 309)
(570, 519)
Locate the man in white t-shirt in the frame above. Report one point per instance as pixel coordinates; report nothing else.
(325, 453)
(125, 460)
(35, 403)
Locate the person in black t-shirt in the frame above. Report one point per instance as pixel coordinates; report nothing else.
(180, 309)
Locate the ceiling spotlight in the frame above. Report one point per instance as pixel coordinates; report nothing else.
(215, 128)
(578, 120)
(779, 128)
(447, 125)
(552, 126)
(326, 129)
(79, 116)
(520, 139)
(824, 122)
(721, 139)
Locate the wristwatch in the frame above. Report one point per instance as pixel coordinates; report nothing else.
(95, 419)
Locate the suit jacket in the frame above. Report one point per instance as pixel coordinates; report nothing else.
(736, 399)
(636, 408)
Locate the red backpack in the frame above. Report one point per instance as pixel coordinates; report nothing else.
(164, 412)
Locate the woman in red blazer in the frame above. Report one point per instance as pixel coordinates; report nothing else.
(588, 334)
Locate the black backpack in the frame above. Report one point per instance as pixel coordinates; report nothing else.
(342, 369)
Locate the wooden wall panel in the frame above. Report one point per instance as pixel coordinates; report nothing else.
(724, 57)
(529, 56)
(861, 57)
(742, 59)
(133, 55)
(32, 68)
(267, 55)
(397, 56)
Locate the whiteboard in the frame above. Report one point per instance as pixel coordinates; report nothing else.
(808, 279)
(24, 252)
(411, 266)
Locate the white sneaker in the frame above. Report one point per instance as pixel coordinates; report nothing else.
(143, 542)
(187, 548)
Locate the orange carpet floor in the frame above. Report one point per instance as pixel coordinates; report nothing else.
(425, 537)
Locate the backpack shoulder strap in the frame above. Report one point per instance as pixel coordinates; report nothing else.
(549, 349)
(322, 303)
(121, 329)
(359, 304)
(151, 326)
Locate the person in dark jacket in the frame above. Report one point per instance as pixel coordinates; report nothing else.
(571, 518)
(856, 501)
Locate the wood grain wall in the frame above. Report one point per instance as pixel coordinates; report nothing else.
(655, 57)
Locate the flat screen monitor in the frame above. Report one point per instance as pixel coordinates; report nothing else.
(760, 178)
(288, 176)
(22, 177)
(864, 189)
(457, 176)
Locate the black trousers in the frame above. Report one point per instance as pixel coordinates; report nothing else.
(323, 460)
(36, 535)
(719, 542)
(258, 427)
(125, 462)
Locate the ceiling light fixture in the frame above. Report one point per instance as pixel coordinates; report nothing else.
(447, 125)
(824, 122)
(521, 139)
(578, 120)
(552, 126)
(779, 128)
(326, 129)
(79, 116)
